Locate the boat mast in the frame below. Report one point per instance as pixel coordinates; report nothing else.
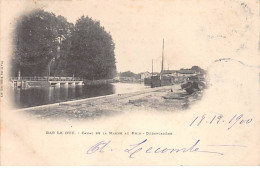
(162, 64)
(152, 67)
(152, 75)
(162, 55)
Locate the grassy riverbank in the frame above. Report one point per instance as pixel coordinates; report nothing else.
(167, 98)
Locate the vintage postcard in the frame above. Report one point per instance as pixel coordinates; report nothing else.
(130, 82)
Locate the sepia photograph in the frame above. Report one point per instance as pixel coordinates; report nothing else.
(161, 82)
(56, 61)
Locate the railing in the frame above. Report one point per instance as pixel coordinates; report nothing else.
(45, 78)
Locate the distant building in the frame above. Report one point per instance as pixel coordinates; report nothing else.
(145, 75)
(156, 74)
(181, 72)
(170, 72)
(186, 72)
(179, 76)
(170, 77)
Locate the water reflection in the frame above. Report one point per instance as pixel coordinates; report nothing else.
(40, 96)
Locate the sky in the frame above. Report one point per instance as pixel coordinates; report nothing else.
(196, 32)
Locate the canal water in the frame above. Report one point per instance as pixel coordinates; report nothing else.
(37, 96)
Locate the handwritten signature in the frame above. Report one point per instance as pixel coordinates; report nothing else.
(142, 147)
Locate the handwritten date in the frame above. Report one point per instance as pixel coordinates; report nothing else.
(237, 119)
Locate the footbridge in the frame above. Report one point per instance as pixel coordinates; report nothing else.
(24, 82)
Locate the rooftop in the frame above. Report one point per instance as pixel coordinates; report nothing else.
(182, 71)
(187, 71)
(169, 71)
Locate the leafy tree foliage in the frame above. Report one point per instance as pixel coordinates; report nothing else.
(128, 74)
(36, 42)
(92, 51)
(198, 69)
(64, 28)
(43, 40)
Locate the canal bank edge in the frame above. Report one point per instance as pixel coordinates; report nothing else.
(92, 98)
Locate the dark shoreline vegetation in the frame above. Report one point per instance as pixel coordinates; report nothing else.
(46, 44)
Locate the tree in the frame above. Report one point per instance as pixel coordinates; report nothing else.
(128, 74)
(48, 45)
(64, 30)
(38, 36)
(92, 51)
(198, 69)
